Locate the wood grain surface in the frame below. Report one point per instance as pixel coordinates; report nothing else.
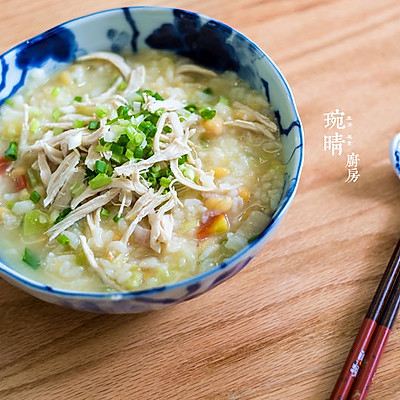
(280, 329)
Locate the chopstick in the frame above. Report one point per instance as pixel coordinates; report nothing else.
(377, 345)
(356, 355)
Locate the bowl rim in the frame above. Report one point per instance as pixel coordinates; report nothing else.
(276, 218)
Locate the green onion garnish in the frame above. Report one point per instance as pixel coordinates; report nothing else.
(100, 166)
(78, 98)
(93, 125)
(117, 149)
(207, 91)
(31, 258)
(64, 240)
(55, 91)
(35, 197)
(207, 113)
(182, 159)
(10, 205)
(99, 181)
(78, 123)
(62, 215)
(116, 218)
(9, 102)
(104, 213)
(77, 188)
(129, 154)
(138, 153)
(165, 181)
(101, 112)
(191, 108)
(12, 152)
(167, 129)
(33, 177)
(57, 131)
(34, 127)
(56, 114)
(122, 86)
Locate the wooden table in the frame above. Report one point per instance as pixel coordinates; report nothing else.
(282, 328)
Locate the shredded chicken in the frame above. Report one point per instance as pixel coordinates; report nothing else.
(93, 263)
(191, 68)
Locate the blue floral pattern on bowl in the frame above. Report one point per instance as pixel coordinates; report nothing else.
(207, 42)
(394, 153)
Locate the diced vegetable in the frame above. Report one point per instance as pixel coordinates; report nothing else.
(12, 152)
(31, 258)
(207, 91)
(207, 113)
(100, 166)
(191, 108)
(104, 213)
(167, 129)
(77, 188)
(78, 99)
(57, 131)
(4, 164)
(116, 218)
(122, 86)
(35, 222)
(93, 125)
(99, 181)
(215, 225)
(62, 215)
(35, 125)
(165, 181)
(9, 102)
(78, 123)
(55, 91)
(101, 112)
(64, 240)
(35, 197)
(33, 177)
(10, 205)
(56, 114)
(21, 183)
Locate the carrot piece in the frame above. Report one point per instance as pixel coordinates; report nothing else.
(4, 164)
(213, 226)
(21, 183)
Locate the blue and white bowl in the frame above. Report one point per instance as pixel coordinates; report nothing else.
(208, 43)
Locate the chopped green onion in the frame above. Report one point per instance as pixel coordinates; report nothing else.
(207, 113)
(9, 102)
(62, 215)
(93, 125)
(55, 91)
(99, 181)
(77, 188)
(189, 173)
(100, 166)
(57, 131)
(165, 181)
(223, 100)
(31, 258)
(138, 138)
(118, 158)
(12, 152)
(116, 218)
(117, 149)
(160, 112)
(167, 129)
(35, 197)
(182, 159)
(207, 91)
(122, 112)
(191, 108)
(35, 111)
(10, 205)
(104, 213)
(78, 99)
(129, 154)
(101, 112)
(34, 127)
(138, 152)
(35, 222)
(78, 123)
(56, 114)
(122, 86)
(64, 240)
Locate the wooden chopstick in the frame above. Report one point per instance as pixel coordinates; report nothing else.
(355, 358)
(377, 345)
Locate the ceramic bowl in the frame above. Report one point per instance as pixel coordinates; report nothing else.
(208, 43)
